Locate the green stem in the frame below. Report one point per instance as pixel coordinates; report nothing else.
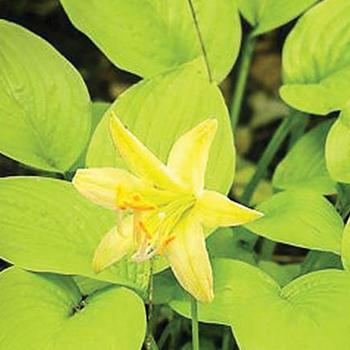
(297, 132)
(267, 249)
(195, 329)
(241, 82)
(149, 336)
(310, 261)
(226, 340)
(268, 155)
(200, 38)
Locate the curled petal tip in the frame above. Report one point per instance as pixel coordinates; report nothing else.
(96, 268)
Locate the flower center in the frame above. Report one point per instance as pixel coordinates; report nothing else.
(153, 226)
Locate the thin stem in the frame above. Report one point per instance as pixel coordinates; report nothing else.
(310, 261)
(226, 339)
(195, 329)
(241, 82)
(267, 249)
(149, 337)
(297, 132)
(200, 38)
(268, 155)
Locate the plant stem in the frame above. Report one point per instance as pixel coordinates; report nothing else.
(268, 155)
(200, 38)
(195, 329)
(226, 339)
(149, 337)
(297, 132)
(267, 249)
(241, 82)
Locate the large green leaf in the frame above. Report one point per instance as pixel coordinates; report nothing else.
(159, 110)
(148, 37)
(46, 311)
(305, 165)
(309, 313)
(316, 59)
(265, 15)
(301, 218)
(44, 108)
(46, 225)
(338, 148)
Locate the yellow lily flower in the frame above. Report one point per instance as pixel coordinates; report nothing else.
(162, 209)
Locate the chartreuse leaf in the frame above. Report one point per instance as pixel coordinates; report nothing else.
(305, 165)
(48, 311)
(230, 243)
(46, 225)
(265, 15)
(88, 285)
(97, 112)
(308, 313)
(316, 59)
(148, 37)
(283, 274)
(345, 250)
(301, 218)
(44, 109)
(159, 110)
(338, 148)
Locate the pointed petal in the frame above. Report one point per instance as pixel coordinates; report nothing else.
(189, 156)
(216, 210)
(139, 158)
(113, 247)
(100, 185)
(189, 260)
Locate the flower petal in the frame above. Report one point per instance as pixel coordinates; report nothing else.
(216, 210)
(139, 158)
(100, 185)
(189, 156)
(189, 260)
(113, 247)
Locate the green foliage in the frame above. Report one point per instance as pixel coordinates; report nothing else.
(172, 103)
(316, 59)
(307, 313)
(301, 218)
(338, 148)
(265, 15)
(58, 231)
(305, 165)
(37, 129)
(183, 49)
(48, 310)
(145, 38)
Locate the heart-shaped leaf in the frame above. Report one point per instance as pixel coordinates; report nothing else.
(265, 15)
(301, 218)
(159, 110)
(338, 148)
(304, 167)
(309, 313)
(316, 59)
(151, 37)
(45, 108)
(48, 311)
(46, 225)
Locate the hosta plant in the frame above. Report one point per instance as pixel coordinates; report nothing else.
(129, 213)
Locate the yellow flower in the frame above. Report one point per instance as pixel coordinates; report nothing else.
(162, 209)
